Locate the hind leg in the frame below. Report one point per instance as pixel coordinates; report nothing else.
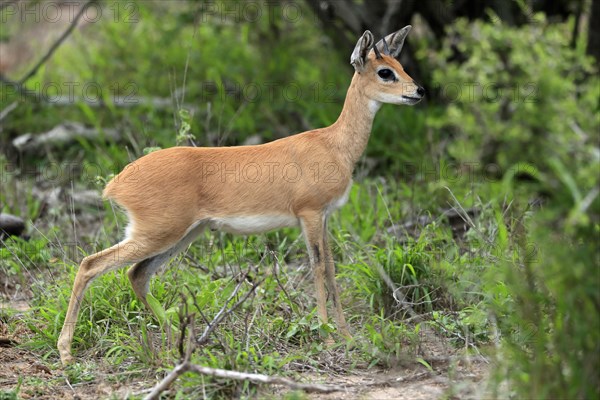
(91, 267)
(141, 273)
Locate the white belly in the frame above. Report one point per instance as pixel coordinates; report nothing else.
(248, 225)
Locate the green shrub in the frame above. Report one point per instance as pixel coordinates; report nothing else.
(522, 94)
(523, 107)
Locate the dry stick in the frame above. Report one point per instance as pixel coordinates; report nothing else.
(241, 376)
(261, 378)
(223, 312)
(185, 320)
(8, 110)
(20, 85)
(186, 355)
(181, 368)
(397, 292)
(186, 366)
(55, 45)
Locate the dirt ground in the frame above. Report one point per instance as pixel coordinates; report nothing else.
(452, 376)
(375, 384)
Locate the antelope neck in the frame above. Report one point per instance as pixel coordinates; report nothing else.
(350, 133)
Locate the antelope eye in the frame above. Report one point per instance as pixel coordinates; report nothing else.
(386, 74)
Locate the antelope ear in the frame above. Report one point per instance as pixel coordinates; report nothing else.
(359, 56)
(395, 41)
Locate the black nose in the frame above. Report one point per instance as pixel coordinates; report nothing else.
(420, 91)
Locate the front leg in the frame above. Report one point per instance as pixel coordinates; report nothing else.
(313, 228)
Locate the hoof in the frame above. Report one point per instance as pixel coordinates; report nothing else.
(345, 333)
(66, 359)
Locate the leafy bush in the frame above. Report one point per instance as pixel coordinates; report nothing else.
(523, 107)
(521, 94)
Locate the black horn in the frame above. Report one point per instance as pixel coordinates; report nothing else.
(376, 50)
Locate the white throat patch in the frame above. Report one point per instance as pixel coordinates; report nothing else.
(374, 106)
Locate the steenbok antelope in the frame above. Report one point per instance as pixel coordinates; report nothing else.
(171, 195)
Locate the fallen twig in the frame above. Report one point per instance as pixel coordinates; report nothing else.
(236, 375)
(121, 101)
(61, 134)
(187, 366)
(392, 381)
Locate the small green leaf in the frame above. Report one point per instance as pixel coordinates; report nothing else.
(421, 361)
(157, 309)
(148, 150)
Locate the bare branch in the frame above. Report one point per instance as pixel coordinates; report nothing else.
(167, 380)
(8, 110)
(261, 378)
(56, 44)
(235, 375)
(223, 312)
(276, 275)
(21, 89)
(398, 293)
(61, 134)
(185, 320)
(186, 366)
(20, 85)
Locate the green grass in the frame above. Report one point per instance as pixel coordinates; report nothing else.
(115, 327)
(520, 284)
(452, 282)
